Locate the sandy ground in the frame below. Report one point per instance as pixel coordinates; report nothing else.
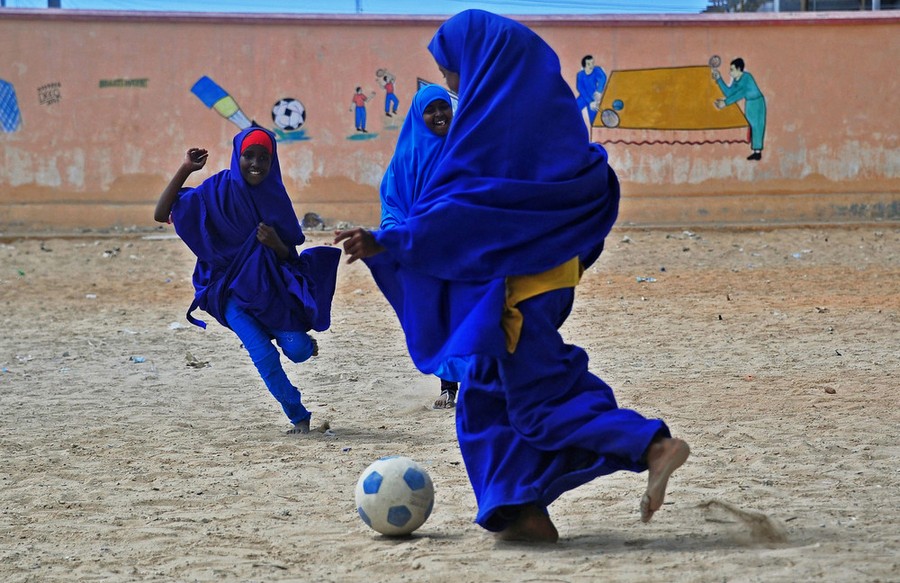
(134, 447)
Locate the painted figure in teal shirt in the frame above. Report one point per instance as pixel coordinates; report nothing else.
(744, 87)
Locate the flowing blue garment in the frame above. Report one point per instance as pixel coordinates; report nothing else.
(518, 190)
(518, 176)
(538, 423)
(414, 159)
(218, 222)
(413, 163)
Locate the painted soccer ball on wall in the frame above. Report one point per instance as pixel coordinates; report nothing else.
(289, 114)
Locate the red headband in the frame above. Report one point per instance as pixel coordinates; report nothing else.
(257, 138)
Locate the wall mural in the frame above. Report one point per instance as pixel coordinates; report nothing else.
(743, 86)
(691, 98)
(214, 97)
(10, 117)
(358, 109)
(590, 82)
(358, 106)
(391, 102)
(665, 99)
(288, 113)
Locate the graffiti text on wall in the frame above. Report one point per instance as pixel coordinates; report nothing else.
(49, 94)
(104, 83)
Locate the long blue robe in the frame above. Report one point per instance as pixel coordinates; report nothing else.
(218, 221)
(519, 189)
(414, 160)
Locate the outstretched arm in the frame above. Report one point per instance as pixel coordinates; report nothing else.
(194, 159)
(358, 243)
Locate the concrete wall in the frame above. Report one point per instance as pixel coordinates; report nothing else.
(105, 111)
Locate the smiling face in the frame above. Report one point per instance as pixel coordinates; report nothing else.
(451, 77)
(437, 117)
(255, 162)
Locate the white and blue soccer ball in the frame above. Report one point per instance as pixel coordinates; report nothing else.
(289, 114)
(394, 496)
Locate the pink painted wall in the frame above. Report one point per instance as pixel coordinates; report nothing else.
(107, 111)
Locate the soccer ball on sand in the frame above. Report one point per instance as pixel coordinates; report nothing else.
(394, 496)
(289, 114)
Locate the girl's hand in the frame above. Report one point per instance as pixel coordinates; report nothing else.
(195, 159)
(358, 243)
(269, 237)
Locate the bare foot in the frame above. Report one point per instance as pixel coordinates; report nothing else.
(315, 344)
(664, 456)
(531, 525)
(301, 427)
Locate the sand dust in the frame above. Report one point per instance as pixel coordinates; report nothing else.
(754, 527)
(135, 447)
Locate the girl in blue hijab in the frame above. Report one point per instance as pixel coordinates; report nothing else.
(518, 206)
(418, 146)
(421, 140)
(241, 225)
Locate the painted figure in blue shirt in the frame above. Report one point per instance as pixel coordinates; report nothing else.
(743, 86)
(590, 82)
(485, 267)
(241, 225)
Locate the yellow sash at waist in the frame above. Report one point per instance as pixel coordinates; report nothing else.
(522, 287)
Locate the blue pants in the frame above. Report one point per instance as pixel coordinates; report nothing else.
(297, 347)
(390, 99)
(360, 118)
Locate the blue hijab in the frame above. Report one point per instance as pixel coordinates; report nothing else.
(518, 189)
(518, 171)
(218, 222)
(414, 159)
